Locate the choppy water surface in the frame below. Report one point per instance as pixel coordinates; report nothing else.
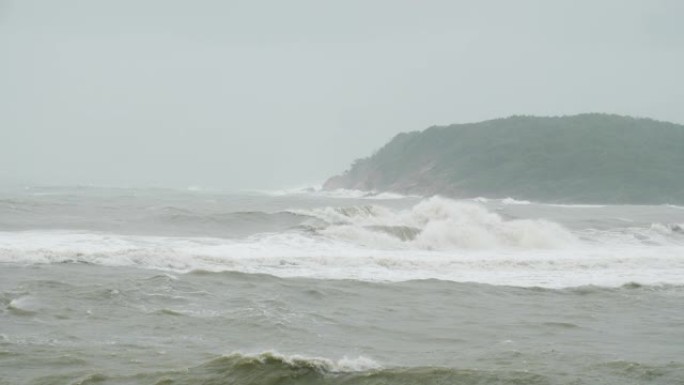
(120, 286)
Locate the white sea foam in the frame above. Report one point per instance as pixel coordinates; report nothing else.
(576, 206)
(657, 234)
(344, 364)
(437, 238)
(318, 191)
(297, 255)
(359, 194)
(440, 224)
(511, 201)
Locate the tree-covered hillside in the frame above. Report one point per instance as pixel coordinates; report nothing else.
(584, 158)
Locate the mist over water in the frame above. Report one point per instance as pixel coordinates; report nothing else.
(142, 241)
(137, 286)
(225, 95)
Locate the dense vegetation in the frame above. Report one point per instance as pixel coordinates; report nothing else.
(584, 158)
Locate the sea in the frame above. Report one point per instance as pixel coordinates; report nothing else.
(195, 286)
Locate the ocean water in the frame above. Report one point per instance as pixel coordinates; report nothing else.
(152, 286)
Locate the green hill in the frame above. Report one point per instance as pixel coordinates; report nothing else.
(588, 158)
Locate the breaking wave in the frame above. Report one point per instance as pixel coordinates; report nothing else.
(298, 255)
(272, 368)
(436, 224)
(317, 191)
(436, 238)
(511, 201)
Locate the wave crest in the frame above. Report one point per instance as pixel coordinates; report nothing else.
(272, 358)
(437, 224)
(272, 368)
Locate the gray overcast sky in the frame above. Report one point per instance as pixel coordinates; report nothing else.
(267, 94)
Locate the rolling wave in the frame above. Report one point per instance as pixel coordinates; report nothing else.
(303, 255)
(443, 224)
(271, 368)
(436, 238)
(437, 224)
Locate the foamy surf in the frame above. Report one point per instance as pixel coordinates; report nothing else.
(123, 287)
(297, 255)
(273, 368)
(319, 192)
(437, 224)
(321, 364)
(436, 238)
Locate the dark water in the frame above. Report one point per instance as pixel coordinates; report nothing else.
(68, 322)
(103, 286)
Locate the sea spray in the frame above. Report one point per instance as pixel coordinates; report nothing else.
(337, 239)
(438, 224)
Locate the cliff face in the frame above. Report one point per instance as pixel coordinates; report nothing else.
(589, 158)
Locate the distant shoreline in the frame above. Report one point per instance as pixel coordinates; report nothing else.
(587, 158)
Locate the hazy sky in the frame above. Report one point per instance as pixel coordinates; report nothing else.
(266, 94)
